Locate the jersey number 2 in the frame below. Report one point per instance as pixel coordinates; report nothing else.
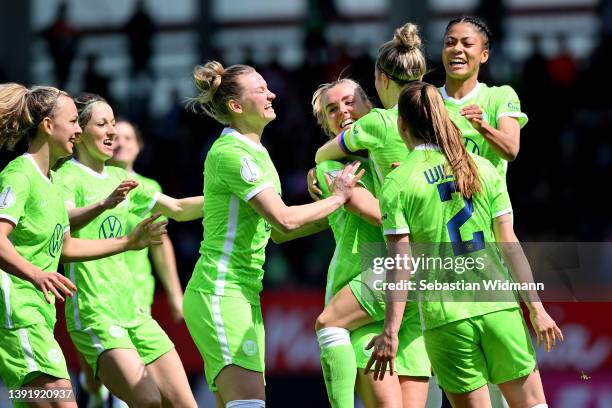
(454, 224)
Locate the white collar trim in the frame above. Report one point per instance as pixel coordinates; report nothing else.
(94, 173)
(462, 100)
(427, 146)
(240, 136)
(29, 157)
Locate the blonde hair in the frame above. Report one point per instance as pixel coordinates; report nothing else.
(317, 101)
(402, 59)
(22, 110)
(217, 85)
(421, 107)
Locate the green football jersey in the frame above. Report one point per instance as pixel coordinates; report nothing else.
(106, 287)
(138, 261)
(232, 252)
(353, 235)
(420, 198)
(495, 103)
(34, 204)
(377, 133)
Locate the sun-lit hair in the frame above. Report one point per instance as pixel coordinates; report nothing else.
(401, 58)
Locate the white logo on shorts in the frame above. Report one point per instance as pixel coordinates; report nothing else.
(367, 352)
(116, 331)
(54, 355)
(249, 347)
(249, 170)
(7, 198)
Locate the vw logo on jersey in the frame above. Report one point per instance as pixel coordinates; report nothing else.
(111, 228)
(471, 146)
(249, 347)
(56, 241)
(116, 331)
(7, 198)
(249, 170)
(54, 355)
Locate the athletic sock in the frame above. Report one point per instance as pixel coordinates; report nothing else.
(252, 403)
(339, 366)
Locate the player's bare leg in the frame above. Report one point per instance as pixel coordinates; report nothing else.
(414, 391)
(171, 380)
(49, 382)
(237, 383)
(379, 394)
(525, 391)
(474, 399)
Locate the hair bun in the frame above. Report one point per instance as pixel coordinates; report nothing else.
(207, 79)
(407, 37)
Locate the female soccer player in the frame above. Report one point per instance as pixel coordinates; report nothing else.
(126, 349)
(336, 106)
(34, 234)
(128, 144)
(489, 118)
(399, 62)
(466, 205)
(243, 205)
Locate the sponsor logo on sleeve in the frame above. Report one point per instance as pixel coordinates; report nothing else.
(514, 106)
(249, 171)
(7, 198)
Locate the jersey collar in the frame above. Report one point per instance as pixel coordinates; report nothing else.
(427, 146)
(243, 138)
(462, 100)
(31, 159)
(101, 176)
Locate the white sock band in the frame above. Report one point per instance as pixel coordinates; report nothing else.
(252, 403)
(333, 336)
(540, 406)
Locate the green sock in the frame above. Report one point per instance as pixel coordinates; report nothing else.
(339, 366)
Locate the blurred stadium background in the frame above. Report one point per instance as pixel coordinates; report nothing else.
(139, 54)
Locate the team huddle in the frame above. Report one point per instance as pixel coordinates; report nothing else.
(373, 183)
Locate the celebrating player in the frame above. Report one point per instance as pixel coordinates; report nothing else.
(468, 342)
(489, 118)
(243, 206)
(336, 106)
(126, 348)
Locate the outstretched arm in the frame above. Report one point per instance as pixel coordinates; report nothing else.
(164, 262)
(332, 150)
(180, 209)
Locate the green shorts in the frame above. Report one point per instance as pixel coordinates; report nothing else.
(148, 339)
(29, 352)
(468, 353)
(411, 359)
(226, 330)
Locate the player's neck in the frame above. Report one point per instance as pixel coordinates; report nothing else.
(459, 88)
(42, 158)
(249, 132)
(93, 163)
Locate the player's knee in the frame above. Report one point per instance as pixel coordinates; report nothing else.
(323, 321)
(145, 400)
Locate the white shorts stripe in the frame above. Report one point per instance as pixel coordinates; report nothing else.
(216, 308)
(95, 339)
(6, 294)
(27, 350)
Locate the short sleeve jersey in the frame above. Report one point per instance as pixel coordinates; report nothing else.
(377, 133)
(106, 286)
(420, 198)
(33, 203)
(353, 235)
(138, 261)
(232, 252)
(495, 102)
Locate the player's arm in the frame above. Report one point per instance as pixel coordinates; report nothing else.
(505, 141)
(80, 217)
(332, 150)
(15, 264)
(363, 204)
(385, 345)
(146, 233)
(180, 209)
(279, 237)
(164, 262)
(545, 327)
(286, 219)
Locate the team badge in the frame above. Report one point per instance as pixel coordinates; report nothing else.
(7, 198)
(56, 241)
(116, 331)
(249, 170)
(249, 347)
(54, 356)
